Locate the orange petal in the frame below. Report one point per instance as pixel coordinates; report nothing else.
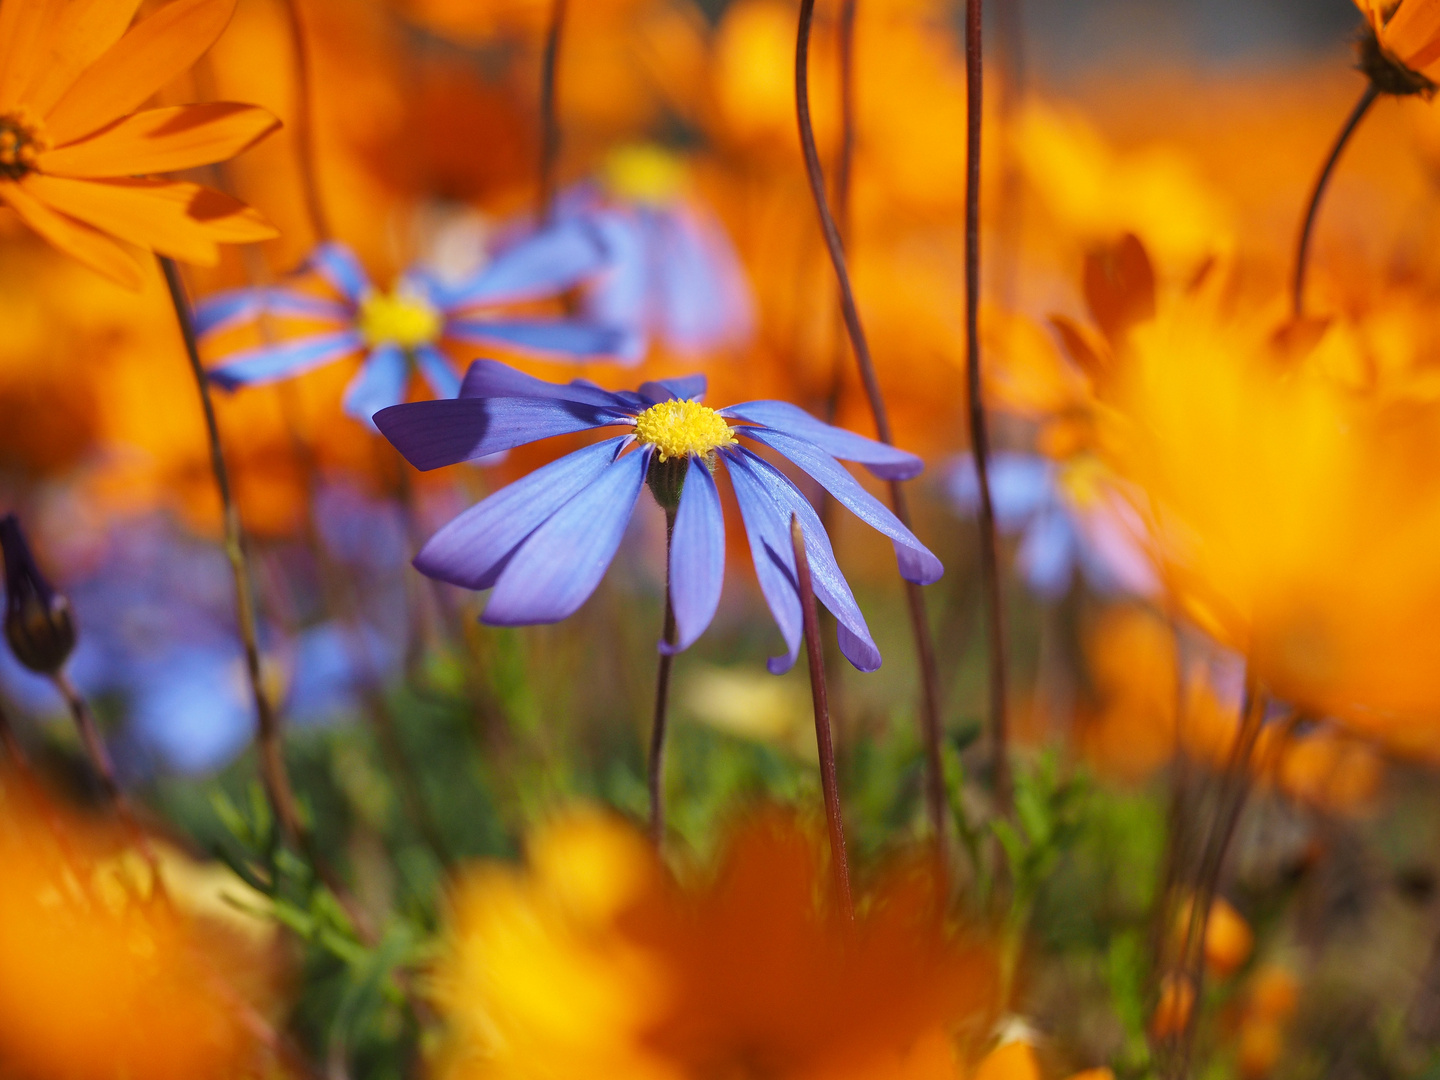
(162, 140)
(93, 248)
(23, 26)
(171, 217)
(155, 51)
(80, 33)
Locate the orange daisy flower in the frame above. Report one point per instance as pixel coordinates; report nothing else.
(1408, 33)
(75, 153)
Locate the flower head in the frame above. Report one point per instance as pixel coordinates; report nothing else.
(543, 543)
(673, 275)
(103, 979)
(412, 322)
(595, 960)
(1402, 52)
(75, 155)
(38, 624)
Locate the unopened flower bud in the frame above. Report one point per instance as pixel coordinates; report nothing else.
(38, 624)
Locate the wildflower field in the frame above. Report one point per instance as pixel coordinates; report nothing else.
(720, 540)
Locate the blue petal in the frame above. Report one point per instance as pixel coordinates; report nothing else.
(560, 564)
(886, 462)
(435, 433)
(438, 371)
(772, 552)
(338, 265)
(697, 556)
(916, 561)
(1021, 485)
(379, 383)
(490, 378)
(705, 300)
(543, 264)
(286, 359)
(831, 588)
(1048, 552)
(235, 307)
(621, 296)
(686, 387)
(472, 550)
(548, 337)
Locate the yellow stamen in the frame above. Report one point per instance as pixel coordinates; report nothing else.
(645, 173)
(399, 318)
(22, 138)
(680, 428)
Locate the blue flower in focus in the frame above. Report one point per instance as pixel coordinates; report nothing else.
(1060, 533)
(543, 543)
(407, 326)
(673, 275)
(157, 635)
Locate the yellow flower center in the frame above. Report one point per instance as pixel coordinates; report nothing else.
(399, 318)
(645, 173)
(21, 140)
(679, 428)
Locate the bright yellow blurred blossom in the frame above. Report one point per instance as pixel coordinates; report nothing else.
(106, 979)
(595, 961)
(1295, 519)
(73, 150)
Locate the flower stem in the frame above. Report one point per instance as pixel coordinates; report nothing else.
(550, 108)
(824, 740)
(1312, 211)
(919, 622)
(1234, 789)
(10, 743)
(304, 123)
(655, 768)
(99, 757)
(979, 437)
(272, 762)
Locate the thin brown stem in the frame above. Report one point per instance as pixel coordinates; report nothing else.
(268, 739)
(10, 743)
(824, 739)
(655, 766)
(99, 757)
(304, 123)
(1317, 194)
(1234, 789)
(979, 437)
(550, 108)
(919, 622)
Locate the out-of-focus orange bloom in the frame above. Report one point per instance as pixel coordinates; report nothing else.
(1270, 1003)
(1408, 33)
(104, 978)
(1014, 1059)
(72, 147)
(596, 960)
(1228, 937)
(1294, 519)
(1131, 733)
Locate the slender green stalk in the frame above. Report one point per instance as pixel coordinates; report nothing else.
(1317, 194)
(919, 621)
(824, 741)
(268, 738)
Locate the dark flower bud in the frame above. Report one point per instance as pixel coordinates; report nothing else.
(37, 618)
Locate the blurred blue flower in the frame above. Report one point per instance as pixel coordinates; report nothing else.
(543, 543)
(157, 637)
(407, 326)
(673, 274)
(1058, 536)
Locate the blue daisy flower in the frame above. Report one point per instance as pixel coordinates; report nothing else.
(408, 326)
(1059, 535)
(542, 544)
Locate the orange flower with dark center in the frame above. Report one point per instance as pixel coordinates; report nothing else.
(1407, 34)
(76, 156)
